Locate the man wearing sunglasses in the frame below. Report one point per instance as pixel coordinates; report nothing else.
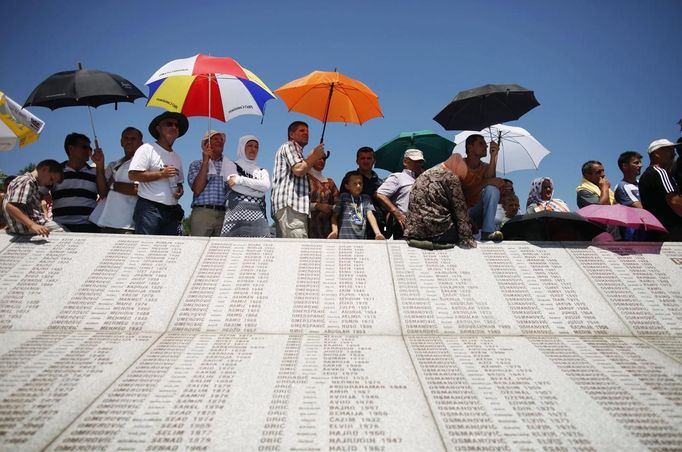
(158, 169)
(74, 199)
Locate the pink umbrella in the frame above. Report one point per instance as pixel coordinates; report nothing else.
(630, 217)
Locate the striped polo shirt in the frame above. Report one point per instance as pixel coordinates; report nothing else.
(76, 197)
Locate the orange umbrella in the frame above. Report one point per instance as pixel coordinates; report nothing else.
(331, 97)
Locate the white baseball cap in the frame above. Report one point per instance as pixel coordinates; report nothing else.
(662, 143)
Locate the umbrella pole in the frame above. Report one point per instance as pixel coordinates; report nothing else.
(499, 143)
(326, 112)
(209, 101)
(92, 124)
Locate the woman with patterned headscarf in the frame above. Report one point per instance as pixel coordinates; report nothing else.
(247, 183)
(540, 197)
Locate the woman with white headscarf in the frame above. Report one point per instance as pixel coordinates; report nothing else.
(541, 197)
(247, 183)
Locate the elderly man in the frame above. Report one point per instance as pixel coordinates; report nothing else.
(594, 187)
(208, 187)
(290, 201)
(74, 198)
(159, 172)
(659, 192)
(394, 193)
(115, 214)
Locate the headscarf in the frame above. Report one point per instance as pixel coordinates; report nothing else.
(318, 175)
(247, 165)
(456, 165)
(535, 197)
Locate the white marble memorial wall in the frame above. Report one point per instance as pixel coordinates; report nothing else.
(163, 343)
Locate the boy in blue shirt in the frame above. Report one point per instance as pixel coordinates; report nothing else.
(353, 211)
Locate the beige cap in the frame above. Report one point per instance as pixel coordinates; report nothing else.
(209, 134)
(413, 154)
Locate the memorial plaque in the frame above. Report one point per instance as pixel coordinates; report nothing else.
(95, 281)
(47, 379)
(170, 343)
(643, 284)
(556, 393)
(290, 286)
(262, 392)
(518, 288)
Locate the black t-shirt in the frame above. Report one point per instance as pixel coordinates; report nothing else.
(654, 185)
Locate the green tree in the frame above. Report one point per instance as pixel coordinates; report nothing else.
(27, 169)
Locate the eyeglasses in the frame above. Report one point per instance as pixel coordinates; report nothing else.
(170, 124)
(84, 146)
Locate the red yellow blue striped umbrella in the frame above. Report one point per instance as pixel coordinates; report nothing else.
(215, 87)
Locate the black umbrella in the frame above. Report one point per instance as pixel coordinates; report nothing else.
(82, 87)
(478, 108)
(552, 226)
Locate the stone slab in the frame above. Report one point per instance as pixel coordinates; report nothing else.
(289, 286)
(47, 379)
(517, 288)
(95, 281)
(135, 343)
(6, 239)
(559, 393)
(641, 282)
(262, 392)
(670, 345)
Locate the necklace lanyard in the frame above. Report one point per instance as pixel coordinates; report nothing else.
(359, 216)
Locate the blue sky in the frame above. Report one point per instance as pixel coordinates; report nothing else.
(607, 74)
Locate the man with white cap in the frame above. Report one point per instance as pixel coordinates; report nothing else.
(394, 193)
(208, 187)
(159, 172)
(659, 192)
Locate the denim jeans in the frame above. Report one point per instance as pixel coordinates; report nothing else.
(483, 213)
(155, 218)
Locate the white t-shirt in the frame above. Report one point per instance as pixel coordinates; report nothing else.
(116, 210)
(152, 157)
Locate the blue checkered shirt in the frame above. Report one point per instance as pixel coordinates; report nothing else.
(214, 193)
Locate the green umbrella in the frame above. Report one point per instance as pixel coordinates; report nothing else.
(436, 149)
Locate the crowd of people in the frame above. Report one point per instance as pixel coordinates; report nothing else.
(457, 202)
